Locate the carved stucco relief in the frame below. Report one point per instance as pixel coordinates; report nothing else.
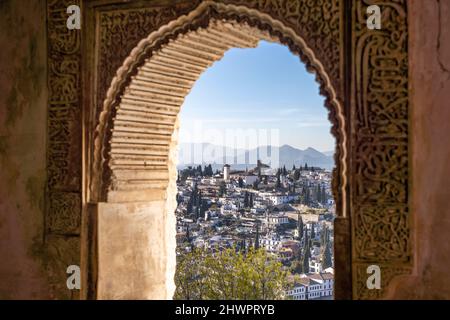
(64, 149)
(64, 116)
(380, 216)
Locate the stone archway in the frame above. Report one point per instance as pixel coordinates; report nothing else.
(138, 123)
(362, 73)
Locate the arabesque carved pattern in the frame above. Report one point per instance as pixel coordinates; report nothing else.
(64, 114)
(121, 31)
(64, 117)
(388, 273)
(64, 148)
(381, 219)
(64, 215)
(382, 232)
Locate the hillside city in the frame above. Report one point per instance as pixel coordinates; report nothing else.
(287, 212)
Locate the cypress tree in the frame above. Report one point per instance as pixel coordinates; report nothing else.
(313, 233)
(300, 226)
(324, 196)
(307, 197)
(222, 189)
(246, 200)
(188, 234)
(257, 237)
(190, 204)
(297, 175)
(306, 255)
(327, 261)
(318, 193)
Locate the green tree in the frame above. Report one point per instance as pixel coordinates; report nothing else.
(324, 196)
(203, 207)
(278, 185)
(229, 275)
(305, 261)
(188, 234)
(246, 204)
(190, 275)
(243, 247)
(300, 226)
(296, 175)
(296, 267)
(326, 257)
(257, 236)
(306, 254)
(324, 236)
(306, 196)
(222, 189)
(189, 206)
(313, 233)
(208, 172)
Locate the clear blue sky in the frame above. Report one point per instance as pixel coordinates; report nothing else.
(267, 88)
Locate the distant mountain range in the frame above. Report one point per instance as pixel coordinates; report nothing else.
(205, 153)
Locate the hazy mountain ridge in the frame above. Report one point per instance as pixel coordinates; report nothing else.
(205, 153)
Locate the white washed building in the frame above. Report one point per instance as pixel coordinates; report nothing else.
(276, 219)
(313, 286)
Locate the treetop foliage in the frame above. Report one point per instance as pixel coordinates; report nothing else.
(230, 274)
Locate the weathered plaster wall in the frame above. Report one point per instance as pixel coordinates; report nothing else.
(129, 242)
(23, 101)
(430, 131)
